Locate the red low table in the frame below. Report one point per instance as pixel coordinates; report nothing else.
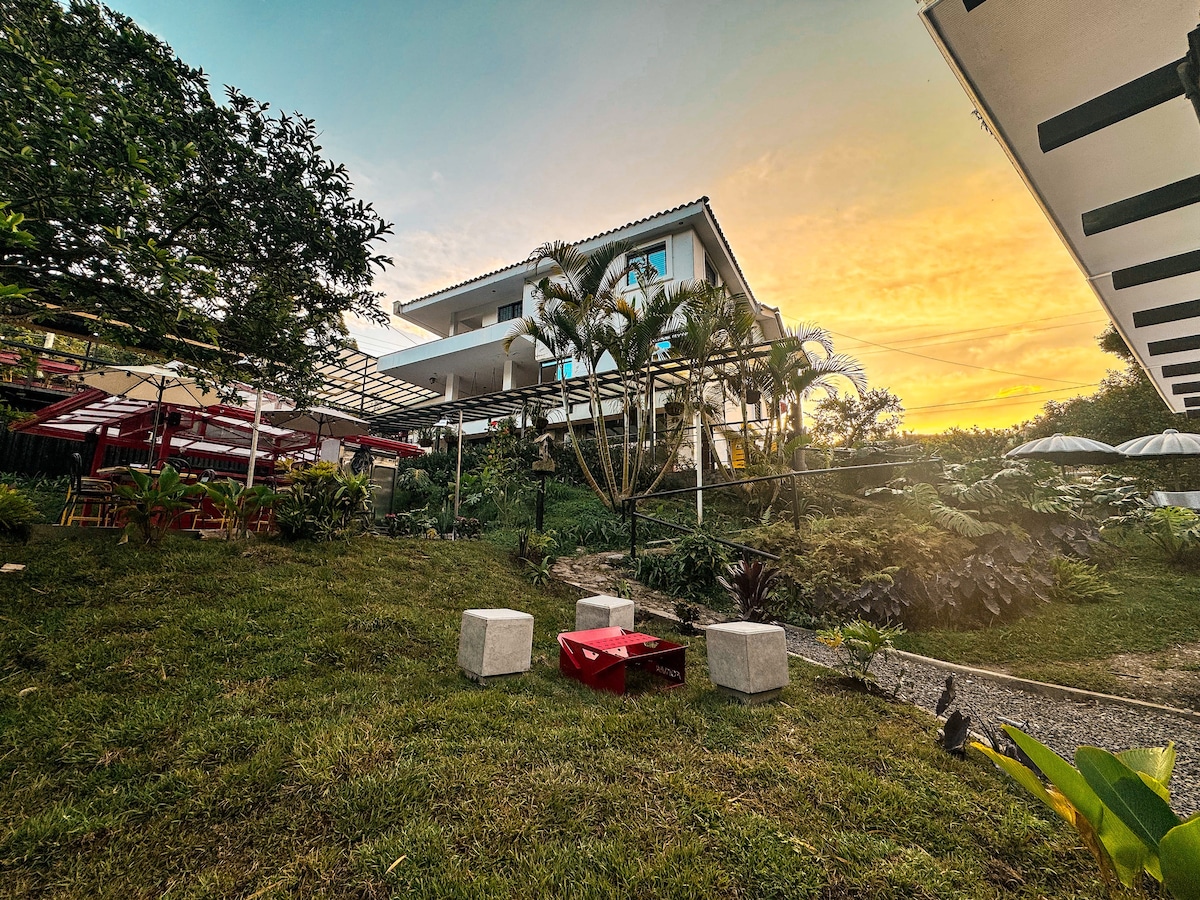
(600, 656)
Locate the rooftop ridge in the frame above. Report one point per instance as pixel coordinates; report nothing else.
(666, 212)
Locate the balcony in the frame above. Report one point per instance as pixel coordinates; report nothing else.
(476, 357)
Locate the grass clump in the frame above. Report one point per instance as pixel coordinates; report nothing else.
(275, 720)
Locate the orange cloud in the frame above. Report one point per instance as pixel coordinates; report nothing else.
(962, 268)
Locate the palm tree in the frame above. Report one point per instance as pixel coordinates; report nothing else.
(718, 331)
(584, 312)
(799, 363)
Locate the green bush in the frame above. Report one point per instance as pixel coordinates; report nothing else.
(1078, 582)
(17, 512)
(690, 570)
(324, 503)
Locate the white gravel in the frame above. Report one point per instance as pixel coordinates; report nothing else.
(1061, 724)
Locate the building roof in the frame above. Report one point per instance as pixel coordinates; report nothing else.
(701, 202)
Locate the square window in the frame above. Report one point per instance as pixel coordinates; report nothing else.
(509, 312)
(650, 264)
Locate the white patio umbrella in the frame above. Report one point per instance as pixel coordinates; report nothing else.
(319, 420)
(1066, 450)
(1171, 444)
(153, 384)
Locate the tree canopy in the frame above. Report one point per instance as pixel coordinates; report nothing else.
(852, 421)
(135, 207)
(1125, 406)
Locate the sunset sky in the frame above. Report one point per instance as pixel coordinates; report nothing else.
(840, 155)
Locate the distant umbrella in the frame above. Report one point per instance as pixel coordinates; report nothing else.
(1170, 445)
(318, 420)
(1066, 450)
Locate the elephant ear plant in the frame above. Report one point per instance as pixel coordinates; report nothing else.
(1120, 805)
(151, 505)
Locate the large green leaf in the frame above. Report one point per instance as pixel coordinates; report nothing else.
(1179, 851)
(1122, 790)
(1157, 762)
(1024, 776)
(1129, 855)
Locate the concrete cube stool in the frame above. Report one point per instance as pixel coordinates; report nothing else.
(747, 660)
(603, 611)
(494, 643)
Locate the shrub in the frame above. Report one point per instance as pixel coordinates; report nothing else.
(749, 584)
(1078, 582)
(17, 512)
(857, 644)
(151, 505)
(324, 503)
(886, 569)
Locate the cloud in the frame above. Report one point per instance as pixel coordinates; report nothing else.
(940, 256)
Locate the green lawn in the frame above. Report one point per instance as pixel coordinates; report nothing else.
(1158, 607)
(269, 721)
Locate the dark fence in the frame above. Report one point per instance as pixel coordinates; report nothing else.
(33, 454)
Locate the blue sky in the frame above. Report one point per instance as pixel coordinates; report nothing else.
(839, 152)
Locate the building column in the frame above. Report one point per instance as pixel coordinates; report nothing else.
(451, 386)
(508, 375)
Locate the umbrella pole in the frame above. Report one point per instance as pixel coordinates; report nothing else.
(254, 440)
(154, 429)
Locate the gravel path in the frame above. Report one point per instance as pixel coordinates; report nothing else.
(1061, 724)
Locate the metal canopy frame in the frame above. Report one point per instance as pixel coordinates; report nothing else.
(499, 404)
(355, 384)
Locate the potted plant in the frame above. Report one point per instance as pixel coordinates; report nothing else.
(424, 437)
(753, 395)
(674, 408)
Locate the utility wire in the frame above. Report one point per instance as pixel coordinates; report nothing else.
(1014, 399)
(991, 327)
(986, 337)
(952, 362)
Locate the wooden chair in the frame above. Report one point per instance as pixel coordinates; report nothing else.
(90, 501)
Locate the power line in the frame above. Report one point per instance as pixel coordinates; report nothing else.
(951, 362)
(990, 327)
(1013, 400)
(988, 337)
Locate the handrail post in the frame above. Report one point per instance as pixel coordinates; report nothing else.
(795, 504)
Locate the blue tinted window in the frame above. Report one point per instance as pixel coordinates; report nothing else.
(650, 264)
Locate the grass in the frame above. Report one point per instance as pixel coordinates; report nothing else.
(266, 721)
(1068, 644)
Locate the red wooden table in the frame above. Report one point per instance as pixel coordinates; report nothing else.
(599, 657)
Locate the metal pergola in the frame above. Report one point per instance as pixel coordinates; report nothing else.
(667, 373)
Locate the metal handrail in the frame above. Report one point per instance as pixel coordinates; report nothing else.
(629, 506)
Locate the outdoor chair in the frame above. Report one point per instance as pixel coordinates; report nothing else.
(90, 501)
(203, 514)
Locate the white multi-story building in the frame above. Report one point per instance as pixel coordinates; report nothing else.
(467, 364)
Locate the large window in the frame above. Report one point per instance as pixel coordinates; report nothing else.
(556, 370)
(649, 263)
(509, 312)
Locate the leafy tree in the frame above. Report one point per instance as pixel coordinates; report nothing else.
(965, 445)
(853, 421)
(134, 206)
(1125, 406)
